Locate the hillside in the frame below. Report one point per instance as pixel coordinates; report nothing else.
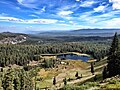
(80, 32)
(112, 83)
(12, 38)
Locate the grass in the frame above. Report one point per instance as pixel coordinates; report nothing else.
(43, 84)
(45, 77)
(109, 85)
(99, 78)
(112, 86)
(82, 87)
(77, 64)
(101, 62)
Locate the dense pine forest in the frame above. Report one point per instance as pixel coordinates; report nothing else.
(15, 79)
(23, 54)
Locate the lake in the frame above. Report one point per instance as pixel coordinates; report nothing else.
(73, 57)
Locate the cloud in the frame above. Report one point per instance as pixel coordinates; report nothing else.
(77, 0)
(111, 14)
(115, 22)
(28, 3)
(30, 21)
(42, 21)
(43, 9)
(100, 9)
(64, 13)
(6, 18)
(87, 3)
(63, 24)
(115, 4)
(107, 20)
(68, 7)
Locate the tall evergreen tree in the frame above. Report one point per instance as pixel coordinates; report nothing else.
(54, 80)
(76, 75)
(7, 83)
(95, 78)
(113, 57)
(104, 73)
(28, 82)
(115, 45)
(65, 81)
(22, 80)
(16, 83)
(92, 68)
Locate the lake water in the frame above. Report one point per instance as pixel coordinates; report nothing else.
(73, 57)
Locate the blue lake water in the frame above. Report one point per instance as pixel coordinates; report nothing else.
(73, 57)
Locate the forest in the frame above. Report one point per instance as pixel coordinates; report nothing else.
(23, 54)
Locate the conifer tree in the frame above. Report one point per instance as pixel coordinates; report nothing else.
(16, 83)
(7, 83)
(115, 45)
(113, 57)
(54, 81)
(95, 78)
(65, 81)
(22, 80)
(28, 82)
(76, 75)
(104, 73)
(92, 68)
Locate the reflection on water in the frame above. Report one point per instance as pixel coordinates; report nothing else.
(73, 57)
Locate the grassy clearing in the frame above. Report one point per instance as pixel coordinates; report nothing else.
(82, 87)
(63, 71)
(112, 86)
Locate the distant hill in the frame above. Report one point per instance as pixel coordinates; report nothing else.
(82, 32)
(59, 36)
(12, 38)
(10, 34)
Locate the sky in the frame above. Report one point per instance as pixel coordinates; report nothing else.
(44, 15)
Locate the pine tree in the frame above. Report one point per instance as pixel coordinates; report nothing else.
(65, 81)
(1, 76)
(7, 83)
(76, 75)
(16, 83)
(95, 78)
(104, 73)
(92, 68)
(113, 57)
(115, 45)
(54, 81)
(22, 80)
(28, 82)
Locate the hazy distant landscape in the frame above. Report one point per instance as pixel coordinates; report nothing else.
(81, 32)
